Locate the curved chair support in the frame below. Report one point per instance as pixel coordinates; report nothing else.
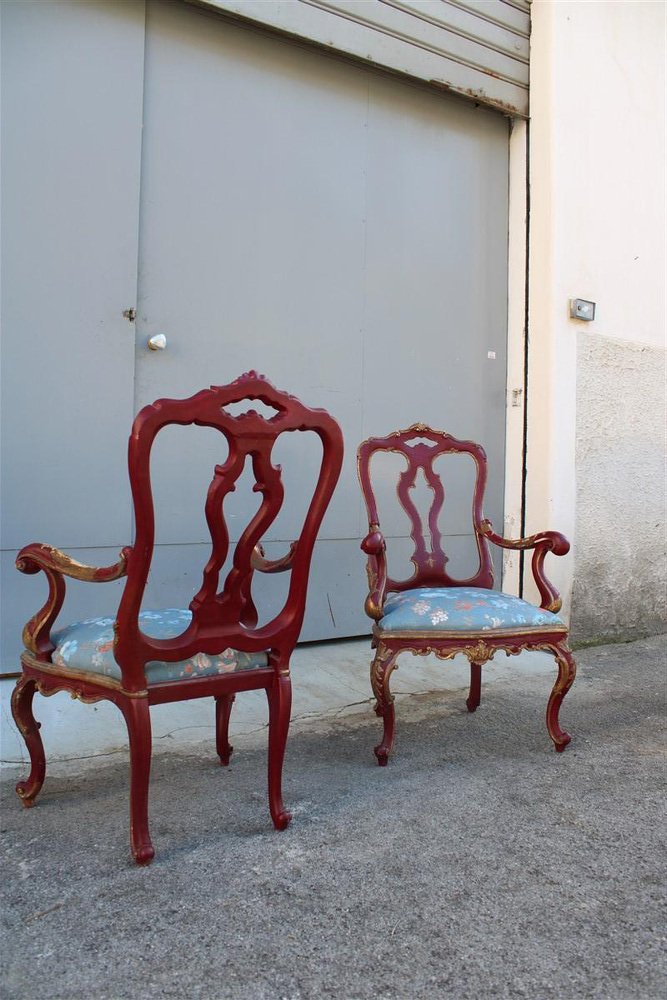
(259, 562)
(567, 670)
(543, 543)
(223, 710)
(279, 695)
(28, 726)
(56, 565)
(382, 667)
(138, 719)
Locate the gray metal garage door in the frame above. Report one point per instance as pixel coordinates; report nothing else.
(339, 230)
(343, 231)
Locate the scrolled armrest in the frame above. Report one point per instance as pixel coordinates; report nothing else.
(553, 541)
(542, 543)
(38, 556)
(375, 548)
(259, 562)
(56, 565)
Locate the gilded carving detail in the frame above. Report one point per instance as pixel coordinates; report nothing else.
(566, 666)
(25, 728)
(371, 607)
(479, 653)
(47, 557)
(47, 689)
(382, 667)
(70, 677)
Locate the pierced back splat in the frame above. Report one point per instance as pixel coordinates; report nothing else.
(227, 617)
(420, 446)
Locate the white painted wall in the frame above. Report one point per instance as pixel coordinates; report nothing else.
(596, 394)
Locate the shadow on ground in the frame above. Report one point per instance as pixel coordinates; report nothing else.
(477, 864)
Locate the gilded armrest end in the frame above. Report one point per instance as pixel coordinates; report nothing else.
(542, 543)
(376, 568)
(56, 565)
(258, 561)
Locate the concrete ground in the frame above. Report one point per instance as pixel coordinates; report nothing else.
(479, 863)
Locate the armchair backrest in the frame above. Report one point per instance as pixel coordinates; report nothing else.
(224, 614)
(420, 446)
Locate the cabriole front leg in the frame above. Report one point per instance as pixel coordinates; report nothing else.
(381, 670)
(28, 726)
(567, 670)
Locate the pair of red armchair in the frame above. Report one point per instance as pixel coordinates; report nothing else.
(217, 647)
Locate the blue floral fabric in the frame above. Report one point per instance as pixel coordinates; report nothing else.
(88, 646)
(461, 609)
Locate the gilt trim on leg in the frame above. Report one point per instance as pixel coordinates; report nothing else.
(381, 670)
(567, 670)
(28, 726)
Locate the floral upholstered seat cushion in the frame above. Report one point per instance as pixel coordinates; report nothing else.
(461, 609)
(88, 646)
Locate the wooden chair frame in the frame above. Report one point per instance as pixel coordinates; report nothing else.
(221, 619)
(420, 445)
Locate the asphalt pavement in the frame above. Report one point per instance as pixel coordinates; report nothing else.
(478, 864)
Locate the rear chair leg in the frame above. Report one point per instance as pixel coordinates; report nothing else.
(567, 670)
(138, 719)
(475, 693)
(279, 695)
(223, 710)
(28, 726)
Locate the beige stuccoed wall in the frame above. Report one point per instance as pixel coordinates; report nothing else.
(596, 467)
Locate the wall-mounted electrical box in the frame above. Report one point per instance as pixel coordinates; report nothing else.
(582, 309)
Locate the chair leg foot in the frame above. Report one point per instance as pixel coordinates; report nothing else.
(138, 719)
(282, 819)
(223, 710)
(28, 726)
(381, 670)
(475, 693)
(567, 671)
(279, 695)
(143, 854)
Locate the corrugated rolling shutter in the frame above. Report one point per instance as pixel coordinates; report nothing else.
(479, 48)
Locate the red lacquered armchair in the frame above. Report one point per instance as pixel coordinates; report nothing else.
(215, 648)
(430, 611)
